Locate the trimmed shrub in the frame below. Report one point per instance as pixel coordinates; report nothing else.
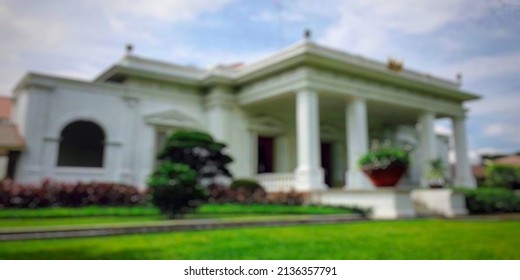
(247, 191)
(243, 195)
(200, 152)
(60, 194)
(248, 184)
(174, 189)
(491, 200)
(288, 198)
(503, 176)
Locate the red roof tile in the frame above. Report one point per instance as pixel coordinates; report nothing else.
(5, 108)
(508, 160)
(10, 139)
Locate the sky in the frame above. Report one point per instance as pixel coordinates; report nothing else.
(478, 38)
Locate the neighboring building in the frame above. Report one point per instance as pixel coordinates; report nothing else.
(301, 117)
(479, 171)
(11, 143)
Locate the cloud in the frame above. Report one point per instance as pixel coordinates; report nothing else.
(443, 127)
(496, 105)
(373, 26)
(485, 67)
(166, 10)
(81, 38)
(206, 58)
(502, 130)
(270, 16)
(495, 129)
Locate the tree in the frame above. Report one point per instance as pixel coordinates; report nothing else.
(200, 152)
(189, 162)
(174, 189)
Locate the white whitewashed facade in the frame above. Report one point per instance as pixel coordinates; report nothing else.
(301, 117)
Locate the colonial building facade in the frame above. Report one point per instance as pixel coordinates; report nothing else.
(300, 118)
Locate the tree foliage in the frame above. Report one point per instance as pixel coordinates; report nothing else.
(200, 152)
(190, 161)
(175, 190)
(503, 176)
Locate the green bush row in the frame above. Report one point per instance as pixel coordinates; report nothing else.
(488, 200)
(504, 176)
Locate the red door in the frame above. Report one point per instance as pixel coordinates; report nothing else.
(265, 158)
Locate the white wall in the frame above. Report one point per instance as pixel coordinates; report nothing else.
(129, 150)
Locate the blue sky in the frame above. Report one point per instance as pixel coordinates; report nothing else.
(479, 38)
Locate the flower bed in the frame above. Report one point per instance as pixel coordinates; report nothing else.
(60, 194)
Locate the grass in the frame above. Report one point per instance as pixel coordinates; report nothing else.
(412, 239)
(89, 211)
(48, 222)
(94, 215)
(231, 210)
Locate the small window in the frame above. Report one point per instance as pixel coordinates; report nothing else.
(81, 145)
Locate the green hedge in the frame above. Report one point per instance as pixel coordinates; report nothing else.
(488, 200)
(504, 176)
(248, 184)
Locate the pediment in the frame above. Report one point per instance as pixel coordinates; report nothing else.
(173, 118)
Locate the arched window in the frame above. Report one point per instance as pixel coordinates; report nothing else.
(81, 145)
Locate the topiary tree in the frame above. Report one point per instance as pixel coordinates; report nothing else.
(174, 189)
(200, 152)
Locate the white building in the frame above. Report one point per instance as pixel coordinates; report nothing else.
(301, 117)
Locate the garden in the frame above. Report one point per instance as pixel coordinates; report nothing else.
(192, 182)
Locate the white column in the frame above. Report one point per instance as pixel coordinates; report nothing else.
(463, 176)
(308, 174)
(219, 104)
(427, 144)
(357, 144)
(130, 172)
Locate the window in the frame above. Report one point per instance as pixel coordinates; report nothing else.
(81, 145)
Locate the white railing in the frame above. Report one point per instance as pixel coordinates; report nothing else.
(276, 182)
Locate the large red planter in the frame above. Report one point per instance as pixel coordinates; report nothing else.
(387, 177)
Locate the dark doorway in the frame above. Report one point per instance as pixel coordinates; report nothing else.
(326, 162)
(265, 154)
(12, 159)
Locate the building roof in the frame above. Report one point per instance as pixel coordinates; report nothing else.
(10, 139)
(305, 53)
(5, 108)
(508, 160)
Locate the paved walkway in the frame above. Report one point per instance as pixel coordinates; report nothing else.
(168, 226)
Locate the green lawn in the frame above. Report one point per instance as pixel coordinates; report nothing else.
(260, 209)
(46, 222)
(411, 239)
(90, 211)
(114, 215)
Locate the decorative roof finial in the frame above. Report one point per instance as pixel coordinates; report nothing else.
(459, 78)
(395, 64)
(129, 49)
(307, 34)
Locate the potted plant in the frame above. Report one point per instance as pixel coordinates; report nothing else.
(435, 176)
(385, 165)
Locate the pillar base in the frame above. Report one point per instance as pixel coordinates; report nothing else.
(467, 181)
(356, 180)
(309, 179)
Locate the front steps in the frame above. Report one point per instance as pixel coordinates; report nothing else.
(391, 203)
